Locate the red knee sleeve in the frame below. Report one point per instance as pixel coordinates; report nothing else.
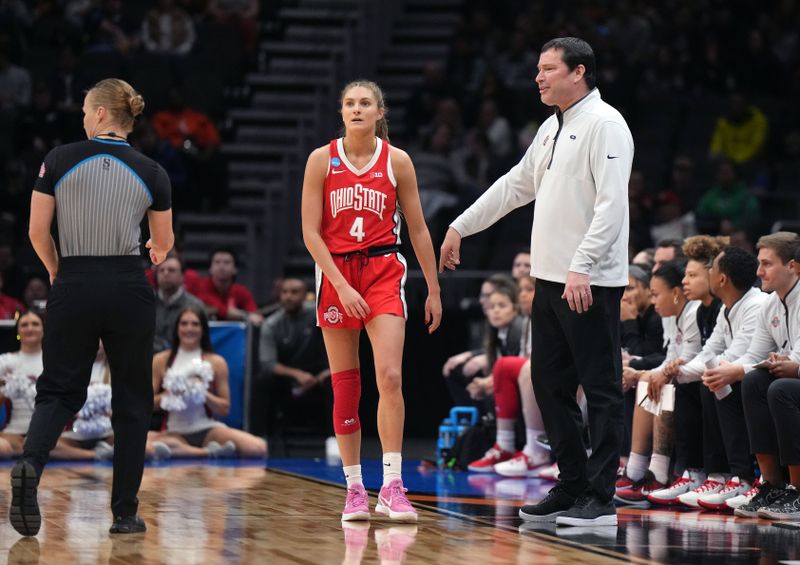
(346, 395)
(506, 389)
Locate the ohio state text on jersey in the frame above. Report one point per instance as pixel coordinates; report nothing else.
(360, 207)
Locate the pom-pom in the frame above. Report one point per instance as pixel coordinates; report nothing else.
(187, 386)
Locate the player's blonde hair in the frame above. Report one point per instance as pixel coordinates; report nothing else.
(119, 98)
(382, 125)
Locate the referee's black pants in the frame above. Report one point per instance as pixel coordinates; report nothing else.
(96, 298)
(568, 350)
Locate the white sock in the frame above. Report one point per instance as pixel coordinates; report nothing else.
(352, 473)
(659, 466)
(532, 449)
(505, 439)
(697, 475)
(719, 477)
(392, 462)
(637, 466)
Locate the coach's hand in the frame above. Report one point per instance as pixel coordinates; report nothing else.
(354, 305)
(578, 292)
(450, 252)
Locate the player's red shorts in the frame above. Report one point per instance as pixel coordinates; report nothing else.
(380, 280)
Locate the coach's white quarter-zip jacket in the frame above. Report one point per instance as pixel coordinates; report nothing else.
(577, 169)
(731, 337)
(777, 331)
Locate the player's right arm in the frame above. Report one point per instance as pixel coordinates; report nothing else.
(311, 211)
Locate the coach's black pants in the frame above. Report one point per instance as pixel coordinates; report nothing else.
(97, 298)
(772, 408)
(568, 350)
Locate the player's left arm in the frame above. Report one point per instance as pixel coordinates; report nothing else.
(408, 195)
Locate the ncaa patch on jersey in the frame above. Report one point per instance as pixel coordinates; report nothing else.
(41, 171)
(335, 162)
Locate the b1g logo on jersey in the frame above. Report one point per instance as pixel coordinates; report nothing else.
(332, 315)
(358, 197)
(776, 322)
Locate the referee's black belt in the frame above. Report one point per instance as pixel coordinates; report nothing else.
(369, 252)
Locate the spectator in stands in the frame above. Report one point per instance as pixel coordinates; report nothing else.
(514, 65)
(683, 181)
(11, 271)
(496, 128)
(168, 29)
(741, 134)
(109, 29)
(472, 165)
(67, 85)
(171, 299)
(195, 135)
(15, 81)
(667, 250)
(223, 296)
(35, 294)
(145, 138)
(424, 100)
(645, 259)
(521, 267)
(438, 189)
(241, 13)
(192, 428)
(671, 221)
(9, 307)
(729, 199)
(293, 360)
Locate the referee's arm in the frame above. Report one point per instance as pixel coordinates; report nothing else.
(43, 208)
(161, 236)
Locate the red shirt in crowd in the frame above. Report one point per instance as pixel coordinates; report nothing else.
(9, 306)
(191, 279)
(237, 296)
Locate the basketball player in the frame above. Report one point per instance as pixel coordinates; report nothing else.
(353, 192)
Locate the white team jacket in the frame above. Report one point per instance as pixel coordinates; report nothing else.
(731, 337)
(577, 169)
(681, 334)
(777, 331)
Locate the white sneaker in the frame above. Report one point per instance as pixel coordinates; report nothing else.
(717, 501)
(521, 465)
(710, 486)
(224, 451)
(162, 451)
(547, 473)
(669, 496)
(743, 499)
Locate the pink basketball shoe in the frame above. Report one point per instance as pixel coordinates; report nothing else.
(392, 502)
(356, 505)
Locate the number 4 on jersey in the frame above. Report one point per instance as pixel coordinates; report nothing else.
(357, 230)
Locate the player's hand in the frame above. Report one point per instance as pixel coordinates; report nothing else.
(450, 252)
(157, 256)
(657, 382)
(433, 311)
(725, 374)
(455, 361)
(353, 303)
(578, 292)
(629, 378)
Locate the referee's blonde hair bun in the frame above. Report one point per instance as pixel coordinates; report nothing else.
(119, 98)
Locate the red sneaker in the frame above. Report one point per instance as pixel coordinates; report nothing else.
(492, 457)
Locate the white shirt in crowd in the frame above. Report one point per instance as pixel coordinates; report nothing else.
(577, 169)
(733, 332)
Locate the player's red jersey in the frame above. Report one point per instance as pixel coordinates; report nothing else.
(360, 205)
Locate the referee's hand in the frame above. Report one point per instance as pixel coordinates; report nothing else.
(156, 255)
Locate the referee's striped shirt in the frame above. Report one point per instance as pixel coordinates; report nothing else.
(103, 190)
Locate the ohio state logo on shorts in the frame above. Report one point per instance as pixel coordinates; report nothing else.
(332, 315)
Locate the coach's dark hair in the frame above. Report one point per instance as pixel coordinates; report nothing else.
(576, 52)
(739, 266)
(672, 272)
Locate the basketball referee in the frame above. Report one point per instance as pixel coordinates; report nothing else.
(99, 191)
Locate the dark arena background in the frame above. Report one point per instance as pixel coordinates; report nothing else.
(237, 94)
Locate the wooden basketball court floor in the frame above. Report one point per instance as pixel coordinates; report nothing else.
(240, 512)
